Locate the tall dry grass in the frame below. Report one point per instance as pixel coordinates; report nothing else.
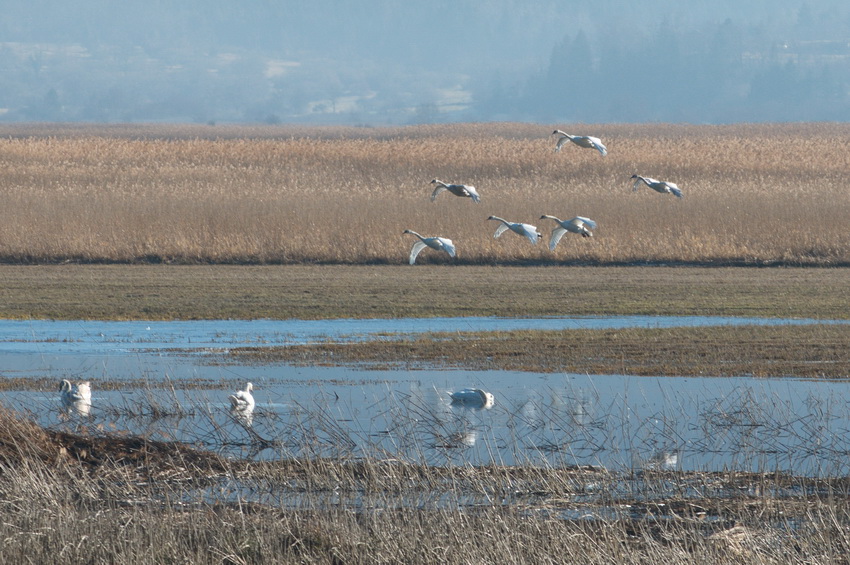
(756, 194)
(70, 498)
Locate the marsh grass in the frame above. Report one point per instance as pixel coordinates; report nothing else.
(816, 350)
(755, 194)
(204, 292)
(94, 497)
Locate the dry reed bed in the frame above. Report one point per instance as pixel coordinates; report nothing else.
(76, 499)
(754, 193)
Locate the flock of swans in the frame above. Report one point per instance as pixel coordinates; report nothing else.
(578, 225)
(77, 399)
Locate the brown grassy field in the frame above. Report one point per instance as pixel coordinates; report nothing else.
(818, 351)
(754, 194)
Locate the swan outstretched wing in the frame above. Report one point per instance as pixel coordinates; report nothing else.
(417, 247)
(500, 230)
(561, 141)
(578, 220)
(675, 190)
(447, 245)
(557, 234)
(598, 145)
(473, 194)
(440, 188)
(530, 232)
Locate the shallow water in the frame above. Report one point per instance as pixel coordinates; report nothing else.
(615, 421)
(78, 336)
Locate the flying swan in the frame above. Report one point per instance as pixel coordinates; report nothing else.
(661, 186)
(456, 189)
(526, 230)
(586, 141)
(579, 224)
(438, 243)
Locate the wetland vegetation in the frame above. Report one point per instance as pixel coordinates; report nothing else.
(165, 222)
(769, 194)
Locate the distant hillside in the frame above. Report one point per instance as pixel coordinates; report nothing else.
(385, 62)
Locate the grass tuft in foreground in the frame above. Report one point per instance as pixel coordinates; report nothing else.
(70, 498)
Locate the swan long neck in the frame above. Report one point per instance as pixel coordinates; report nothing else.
(507, 223)
(414, 233)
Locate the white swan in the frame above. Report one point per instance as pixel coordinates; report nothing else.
(473, 398)
(456, 189)
(76, 397)
(665, 460)
(438, 243)
(579, 224)
(526, 230)
(586, 141)
(663, 187)
(242, 399)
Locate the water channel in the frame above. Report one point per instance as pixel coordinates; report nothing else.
(615, 421)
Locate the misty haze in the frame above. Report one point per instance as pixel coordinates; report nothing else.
(390, 62)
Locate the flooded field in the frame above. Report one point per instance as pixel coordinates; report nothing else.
(171, 381)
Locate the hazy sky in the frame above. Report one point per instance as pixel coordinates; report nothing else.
(386, 61)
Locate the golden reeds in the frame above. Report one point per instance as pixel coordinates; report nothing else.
(754, 194)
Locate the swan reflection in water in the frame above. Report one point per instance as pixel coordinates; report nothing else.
(469, 400)
(460, 439)
(76, 399)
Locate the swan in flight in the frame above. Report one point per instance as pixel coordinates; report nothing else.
(586, 141)
(661, 186)
(526, 230)
(473, 398)
(76, 397)
(579, 224)
(438, 243)
(456, 189)
(242, 399)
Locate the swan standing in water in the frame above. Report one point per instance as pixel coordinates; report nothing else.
(473, 398)
(661, 186)
(579, 224)
(456, 189)
(242, 405)
(526, 230)
(76, 397)
(242, 399)
(438, 243)
(586, 141)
